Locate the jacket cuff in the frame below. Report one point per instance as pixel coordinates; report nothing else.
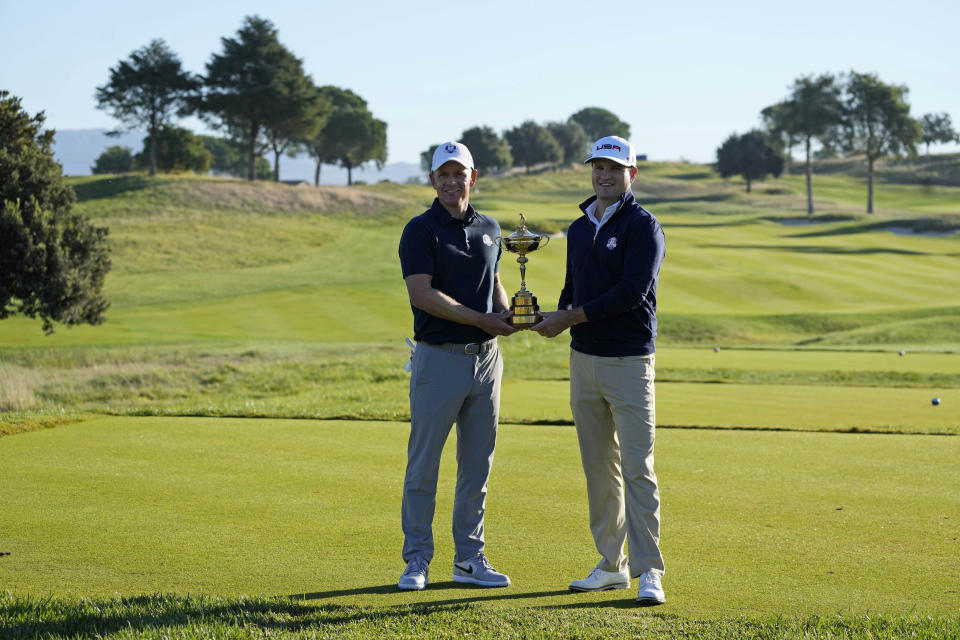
(593, 310)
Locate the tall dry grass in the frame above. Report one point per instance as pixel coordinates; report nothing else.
(17, 386)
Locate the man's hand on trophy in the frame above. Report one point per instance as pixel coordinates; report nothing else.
(549, 325)
(497, 324)
(556, 322)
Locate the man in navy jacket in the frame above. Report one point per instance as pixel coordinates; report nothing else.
(609, 303)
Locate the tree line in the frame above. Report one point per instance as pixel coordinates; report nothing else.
(855, 114)
(255, 91)
(53, 261)
(530, 144)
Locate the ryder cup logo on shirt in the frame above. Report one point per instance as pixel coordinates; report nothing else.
(487, 241)
(612, 243)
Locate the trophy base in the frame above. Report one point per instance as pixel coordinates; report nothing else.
(526, 311)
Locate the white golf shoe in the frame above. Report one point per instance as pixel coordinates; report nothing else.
(650, 592)
(414, 577)
(600, 580)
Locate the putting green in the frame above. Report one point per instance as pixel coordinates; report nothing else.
(753, 522)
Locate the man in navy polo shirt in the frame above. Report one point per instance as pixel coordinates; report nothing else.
(449, 257)
(609, 303)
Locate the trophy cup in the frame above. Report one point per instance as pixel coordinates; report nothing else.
(526, 312)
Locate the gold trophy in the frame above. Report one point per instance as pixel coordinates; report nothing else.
(526, 312)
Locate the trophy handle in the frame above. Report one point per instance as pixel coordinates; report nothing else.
(544, 241)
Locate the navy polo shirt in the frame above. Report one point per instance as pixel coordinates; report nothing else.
(461, 256)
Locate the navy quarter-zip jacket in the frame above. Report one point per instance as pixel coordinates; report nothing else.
(612, 273)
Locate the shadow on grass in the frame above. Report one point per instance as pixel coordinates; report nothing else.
(821, 249)
(626, 603)
(940, 225)
(708, 225)
(700, 175)
(26, 617)
(337, 593)
(109, 187)
(478, 594)
(709, 197)
(804, 219)
(214, 616)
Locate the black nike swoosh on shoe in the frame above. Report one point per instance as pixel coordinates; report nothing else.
(467, 569)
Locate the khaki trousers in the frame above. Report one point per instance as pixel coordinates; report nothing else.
(614, 411)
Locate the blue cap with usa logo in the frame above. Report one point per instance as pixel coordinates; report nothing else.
(447, 151)
(613, 148)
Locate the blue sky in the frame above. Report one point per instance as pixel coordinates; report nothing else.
(684, 75)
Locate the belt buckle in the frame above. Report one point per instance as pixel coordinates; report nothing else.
(472, 349)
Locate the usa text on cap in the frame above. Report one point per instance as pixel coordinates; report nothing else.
(613, 148)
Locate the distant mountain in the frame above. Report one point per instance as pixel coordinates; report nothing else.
(78, 149)
(303, 166)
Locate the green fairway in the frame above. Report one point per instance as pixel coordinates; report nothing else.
(235, 299)
(753, 523)
(754, 406)
(739, 388)
(805, 493)
(164, 616)
(200, 260)
(800, 360)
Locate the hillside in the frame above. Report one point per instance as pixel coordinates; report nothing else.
(230, 298)
(924, 170)
(772, 272)
(115, 194)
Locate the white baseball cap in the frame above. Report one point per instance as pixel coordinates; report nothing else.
(613, 148)
(447, 151)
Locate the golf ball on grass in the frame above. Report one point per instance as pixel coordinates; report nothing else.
(935, 401)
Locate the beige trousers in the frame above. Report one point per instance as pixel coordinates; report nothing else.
(614, 410)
